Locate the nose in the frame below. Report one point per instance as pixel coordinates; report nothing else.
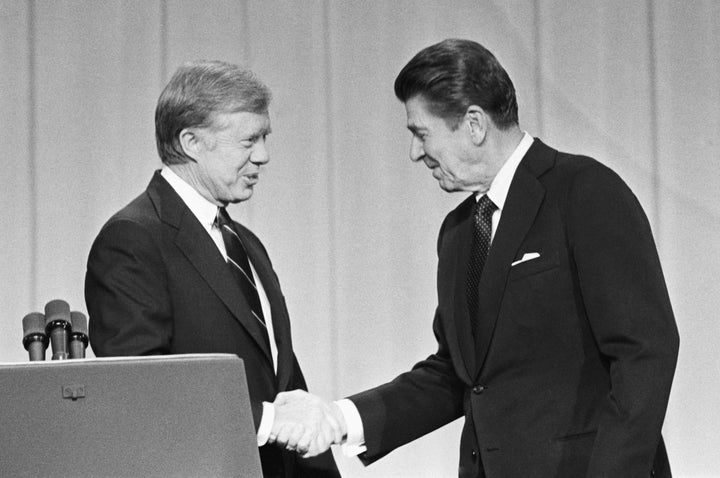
(260, 153)
(416, 149)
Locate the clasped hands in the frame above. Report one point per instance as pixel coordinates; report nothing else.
(306, 423)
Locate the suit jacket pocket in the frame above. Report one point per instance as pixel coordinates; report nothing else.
(576, 436)
(548, 260)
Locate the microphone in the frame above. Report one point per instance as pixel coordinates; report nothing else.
(58, 325)
(35, 340)
(78, 336)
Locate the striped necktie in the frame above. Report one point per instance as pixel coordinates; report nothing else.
(238, 261)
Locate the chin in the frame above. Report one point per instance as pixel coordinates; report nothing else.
(242, 196)
(448, 187)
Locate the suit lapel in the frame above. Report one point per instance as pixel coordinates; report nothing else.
(459, 239)
(523, 201)
(200, 250)
(280, 319)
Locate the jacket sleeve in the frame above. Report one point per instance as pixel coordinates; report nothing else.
(628, 308)
(415, 403)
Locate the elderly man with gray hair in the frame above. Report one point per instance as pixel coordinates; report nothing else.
(172, 273)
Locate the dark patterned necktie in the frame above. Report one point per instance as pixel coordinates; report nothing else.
(239, 264)
(483, 212)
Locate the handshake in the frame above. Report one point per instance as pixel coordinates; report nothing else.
(306, 423)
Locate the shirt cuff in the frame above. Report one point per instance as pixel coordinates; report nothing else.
(266, 423)
(355, 440)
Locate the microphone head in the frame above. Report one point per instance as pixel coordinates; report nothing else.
(57, 312)
(79, 323)
(33, 324)
(35, 340)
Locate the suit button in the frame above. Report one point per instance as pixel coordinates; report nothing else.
(474, 455)
(652, 472)
(478, 389)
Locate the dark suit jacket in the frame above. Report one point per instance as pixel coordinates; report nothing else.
(570, 371)
(157, 284)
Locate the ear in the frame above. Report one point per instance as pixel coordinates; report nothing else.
(477, 122)
(191, 142)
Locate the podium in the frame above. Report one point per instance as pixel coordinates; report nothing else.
(161, 416)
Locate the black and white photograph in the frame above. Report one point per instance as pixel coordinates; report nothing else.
(358, 239)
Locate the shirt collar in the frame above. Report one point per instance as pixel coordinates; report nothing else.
(501, 184)
(203, 209)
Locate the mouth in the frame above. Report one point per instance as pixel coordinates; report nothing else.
(430, 163)
(251, 179)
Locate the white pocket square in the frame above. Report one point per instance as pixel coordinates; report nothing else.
(528, 256)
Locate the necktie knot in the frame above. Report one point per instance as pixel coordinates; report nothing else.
(484, 207)
(221, 218)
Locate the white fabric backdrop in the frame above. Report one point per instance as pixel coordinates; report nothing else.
(349, 222)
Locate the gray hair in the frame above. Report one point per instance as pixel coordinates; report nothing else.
(196, 94)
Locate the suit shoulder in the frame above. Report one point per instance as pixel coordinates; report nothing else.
(134, 224)
(570, 165)
(586, 191)
(140, 211)
(573, 172)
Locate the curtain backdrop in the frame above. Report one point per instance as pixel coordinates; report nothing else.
(348, 220)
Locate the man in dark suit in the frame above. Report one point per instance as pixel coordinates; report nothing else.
(556, 338)
(171, 273)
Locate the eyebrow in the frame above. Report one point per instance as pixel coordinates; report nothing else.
(265, 130)
(258, 134)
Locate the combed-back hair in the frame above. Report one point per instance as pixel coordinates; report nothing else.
(455, 74)
(196, 94)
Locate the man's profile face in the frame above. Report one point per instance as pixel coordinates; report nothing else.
(228, 164)
(448, 153)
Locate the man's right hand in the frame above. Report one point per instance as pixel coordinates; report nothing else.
(305, 423)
